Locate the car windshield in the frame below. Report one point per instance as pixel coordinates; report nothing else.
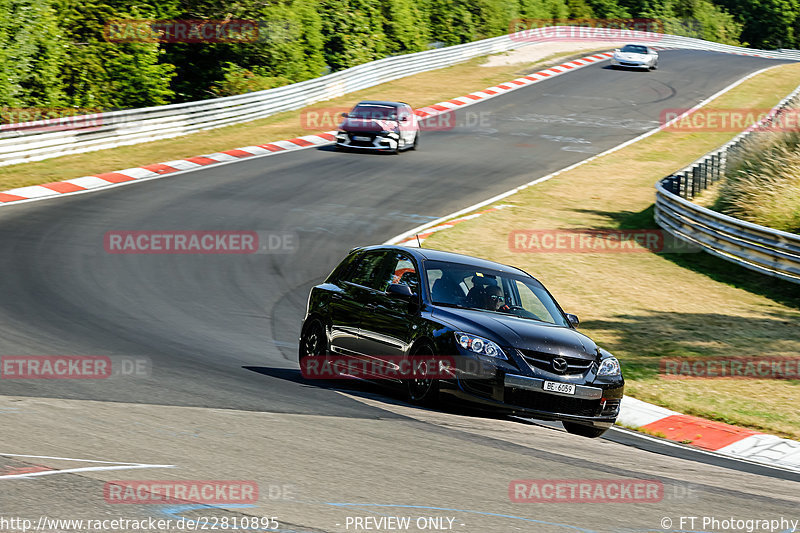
(634, 49)
(381, 112)
(468, 287)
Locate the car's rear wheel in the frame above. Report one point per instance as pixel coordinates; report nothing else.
(416, 142)
(423, 391)
(583, 430)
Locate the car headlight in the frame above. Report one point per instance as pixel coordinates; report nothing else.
(609, 367)
(479, 345)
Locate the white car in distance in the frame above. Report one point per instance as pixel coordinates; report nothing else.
(635, 56)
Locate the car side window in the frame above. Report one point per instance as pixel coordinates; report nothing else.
(367, 271)
(403, 272)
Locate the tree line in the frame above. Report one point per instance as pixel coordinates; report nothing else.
(57, 53)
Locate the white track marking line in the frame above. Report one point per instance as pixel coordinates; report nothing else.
(85, 469)
(108, 465)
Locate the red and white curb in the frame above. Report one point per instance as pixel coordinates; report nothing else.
(158, 170)
(502, 88)
(725, 439)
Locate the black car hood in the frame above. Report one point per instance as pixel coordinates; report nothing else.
(372, 125)
(522, 333)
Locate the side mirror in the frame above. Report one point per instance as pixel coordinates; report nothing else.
(404, 119)
(400, 290)
(573, 319)
(616, 49)
(345, 115)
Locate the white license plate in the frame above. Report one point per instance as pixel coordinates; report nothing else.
(361, 138)
(563, 388)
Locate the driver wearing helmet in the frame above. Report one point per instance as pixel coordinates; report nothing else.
(493, 299)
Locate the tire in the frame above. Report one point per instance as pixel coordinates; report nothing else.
(583, 430)
(313, 342)
(416, 142)
(423, 391)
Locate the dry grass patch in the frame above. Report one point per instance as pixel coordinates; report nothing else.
(645, 306)
(418, 90)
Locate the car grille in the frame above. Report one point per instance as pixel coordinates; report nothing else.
(544, 361)
(362, 143)
(551, 403)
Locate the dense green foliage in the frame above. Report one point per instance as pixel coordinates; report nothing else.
(55, 53)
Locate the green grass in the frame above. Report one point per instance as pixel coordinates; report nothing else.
(647, 306)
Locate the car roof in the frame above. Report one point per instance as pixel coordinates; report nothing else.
(428, 254)
(381, 102)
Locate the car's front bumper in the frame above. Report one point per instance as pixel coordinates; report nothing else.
(594, 403)
(630, 64)
(368, 140)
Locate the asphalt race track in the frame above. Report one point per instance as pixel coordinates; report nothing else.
(223, 399)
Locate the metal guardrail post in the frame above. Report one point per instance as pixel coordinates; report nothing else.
(695, 181)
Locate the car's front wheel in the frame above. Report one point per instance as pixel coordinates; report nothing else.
(420, 390)
(313, 342)
(583, 430)
(416, 142)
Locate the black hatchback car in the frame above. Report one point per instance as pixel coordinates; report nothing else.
(390, 302)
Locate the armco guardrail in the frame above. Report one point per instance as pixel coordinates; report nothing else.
(28, 142)
(768, 251)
